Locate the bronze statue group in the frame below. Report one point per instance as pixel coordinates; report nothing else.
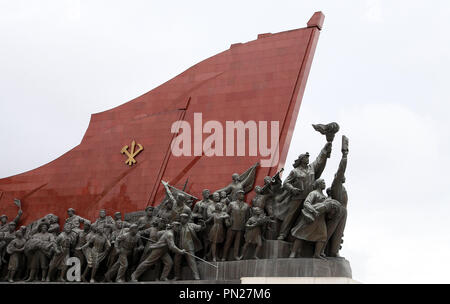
(221, 226)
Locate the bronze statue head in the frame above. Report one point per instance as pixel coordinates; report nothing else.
(19, 234)
(184, 218)
(235, 177)
(133, 229)
(216, 197)
(319, 184)
(258, 189)
(12, 226)
(218, 207)
(181, 198)
(149, 210)
(43, 227)
(117, 216)
(302, 160)
(67, 228)
(70, 212)
(206, 194)
(240, 194)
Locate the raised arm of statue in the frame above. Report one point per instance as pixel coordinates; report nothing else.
(17, 218)
(339, 176)
(246, 179)
(226, 189)
(169, 193)
(319, 164)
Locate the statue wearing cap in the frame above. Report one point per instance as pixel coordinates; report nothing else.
(129, 244)
(160, 252)
(4, 218)
(74, 220)
(188, 241)
(39, 250)
(105, 223)
(118, 219)
(239, 212)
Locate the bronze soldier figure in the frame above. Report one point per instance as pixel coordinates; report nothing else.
(105, 223)
(145, 221)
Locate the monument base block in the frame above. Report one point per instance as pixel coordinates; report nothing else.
(281, 267)
(293, 280)
(273, 262)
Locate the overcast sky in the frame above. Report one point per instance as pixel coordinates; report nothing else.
(380, 70)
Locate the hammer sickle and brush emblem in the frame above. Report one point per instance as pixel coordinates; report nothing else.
(132, 153)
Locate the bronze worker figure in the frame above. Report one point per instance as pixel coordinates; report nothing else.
(15, 249)
(188, 241)
(40, 247)
(216, 234)
(126, 244)
(62, 246)
(97, 253)
(239, 213)
(160, 252)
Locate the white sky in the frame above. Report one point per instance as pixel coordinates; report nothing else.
(380, 70)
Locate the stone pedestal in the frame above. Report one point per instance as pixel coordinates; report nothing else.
(298, 280)
(273, 262)
(277, 267)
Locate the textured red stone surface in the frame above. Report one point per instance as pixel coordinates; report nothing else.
(261, 80)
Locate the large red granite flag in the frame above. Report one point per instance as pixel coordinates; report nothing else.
(259, 81)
